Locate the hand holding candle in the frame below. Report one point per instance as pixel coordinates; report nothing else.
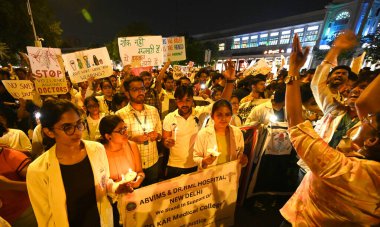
(213, 151)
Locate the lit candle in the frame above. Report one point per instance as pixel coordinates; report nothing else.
(213, 151)
(130, 176)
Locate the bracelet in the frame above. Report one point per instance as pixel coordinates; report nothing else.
(230, 81)
(330, 63)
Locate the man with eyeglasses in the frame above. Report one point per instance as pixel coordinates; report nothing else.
(180, 127)
(340, 190)
(144, 127)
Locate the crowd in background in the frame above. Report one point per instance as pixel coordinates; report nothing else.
(64, 159)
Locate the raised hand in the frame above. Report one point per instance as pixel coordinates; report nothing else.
(346, 40)
(297, 57)
(229, 73)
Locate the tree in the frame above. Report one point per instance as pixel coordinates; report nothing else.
(16, 30)
(373, 47)
(195, 50)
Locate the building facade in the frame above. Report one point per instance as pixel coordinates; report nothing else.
(271, 39)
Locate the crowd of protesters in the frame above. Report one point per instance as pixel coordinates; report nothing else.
(63, 158)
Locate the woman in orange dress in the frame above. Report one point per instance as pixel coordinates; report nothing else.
(123, 155)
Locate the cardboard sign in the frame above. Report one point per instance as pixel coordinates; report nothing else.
(19, 88)
(357, 63)
(259, 67)
(203, 198)
(141, 51)
(82, 65)
(174, 48)
(47, 70)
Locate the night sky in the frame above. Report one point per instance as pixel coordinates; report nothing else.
(169, 17)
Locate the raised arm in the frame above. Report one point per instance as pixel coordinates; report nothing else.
(158, 82)
(230, 75)
(368, 100)
(293, 103)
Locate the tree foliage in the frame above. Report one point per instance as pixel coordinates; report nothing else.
(373, 48)
(16, 30)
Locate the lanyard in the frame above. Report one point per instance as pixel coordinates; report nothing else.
(143, 128)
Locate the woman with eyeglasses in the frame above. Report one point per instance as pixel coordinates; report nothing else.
(93, 117)
(123, 155)
(68, 184)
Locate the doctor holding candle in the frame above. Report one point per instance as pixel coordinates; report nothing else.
(123, 155)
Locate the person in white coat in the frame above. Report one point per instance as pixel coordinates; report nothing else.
(220, 142)
(68, 184)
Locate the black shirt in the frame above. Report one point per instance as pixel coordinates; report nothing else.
(78, 181)
(280, 115)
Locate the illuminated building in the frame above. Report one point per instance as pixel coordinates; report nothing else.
(271, 39)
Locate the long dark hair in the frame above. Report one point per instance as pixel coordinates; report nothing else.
(87, 100)
(107, 125)
(51, 112)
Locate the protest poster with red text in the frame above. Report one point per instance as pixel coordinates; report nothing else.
(174, 48)
(47, 70)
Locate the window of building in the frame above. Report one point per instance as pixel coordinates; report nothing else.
(285, 37)
(254, 41)
(311, 34)
(263, 40)
(236, 44)
(221, 46)
(300, 32)
(244, 42)
(342, 18)
(273, 38)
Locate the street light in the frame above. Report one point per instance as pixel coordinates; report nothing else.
(37, 41)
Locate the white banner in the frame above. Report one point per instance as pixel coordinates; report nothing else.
(141, 51)
(82, 65)
(47, 70)
(203, 198)
(19, 88)
(174, 48)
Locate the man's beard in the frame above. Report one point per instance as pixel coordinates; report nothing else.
(184, 112)
(137, 100)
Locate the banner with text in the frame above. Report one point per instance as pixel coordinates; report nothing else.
(47, 69)
(141, 51)
(203, 198)
(82, 65)
(174, 48)
(19, 88)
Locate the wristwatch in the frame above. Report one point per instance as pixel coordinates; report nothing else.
(289, 79)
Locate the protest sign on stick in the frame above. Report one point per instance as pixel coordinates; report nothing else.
(204, 198)
(47, 71)
(174, 48)
(82, 65)
(19, 88)
(141, 51)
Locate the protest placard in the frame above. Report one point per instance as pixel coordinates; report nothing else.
(19, 88)
(141, 51)
(203, 198)
(174, 48)
(82, 65)
(47, 71)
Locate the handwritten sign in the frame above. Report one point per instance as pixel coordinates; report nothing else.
(19, 88)
(141, 51)
(174, 48)
(204, 198)
(82, 65)
(47, 70)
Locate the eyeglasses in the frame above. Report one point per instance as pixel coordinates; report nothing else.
(69, 129)
(122, 131)
(141, 89)
(367, 119)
